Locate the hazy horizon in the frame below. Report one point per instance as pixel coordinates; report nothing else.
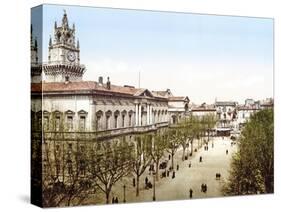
(204, 57)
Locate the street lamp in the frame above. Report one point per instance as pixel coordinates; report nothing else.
(124, 193)
(154, 196)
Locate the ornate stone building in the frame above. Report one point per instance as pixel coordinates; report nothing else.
(63, 101)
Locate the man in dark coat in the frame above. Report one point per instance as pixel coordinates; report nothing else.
(190, 193)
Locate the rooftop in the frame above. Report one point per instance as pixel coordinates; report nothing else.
(89, 86)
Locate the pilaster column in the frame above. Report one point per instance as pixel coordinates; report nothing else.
(150, 122)
(137, 115)
(151, 114)
(147, 114)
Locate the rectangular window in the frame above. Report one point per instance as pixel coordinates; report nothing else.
(107, 122)
(82, 123)
(57, 123)
(115, 121)
(98, 122)
(70, 123)
(123, 120)
(130, 120)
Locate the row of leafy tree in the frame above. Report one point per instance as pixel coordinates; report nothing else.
(74, 170)
(252, 168)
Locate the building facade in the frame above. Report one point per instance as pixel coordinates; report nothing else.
(64, 102)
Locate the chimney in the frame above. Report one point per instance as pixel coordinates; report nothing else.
(108, 84)
(100, 80)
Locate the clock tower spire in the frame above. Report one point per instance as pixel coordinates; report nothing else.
(64, 54)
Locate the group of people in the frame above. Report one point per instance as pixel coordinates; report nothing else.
(203, 187)
(206, 147)
(148, 184)
(114, 200)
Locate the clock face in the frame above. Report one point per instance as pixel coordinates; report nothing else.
(71, 56)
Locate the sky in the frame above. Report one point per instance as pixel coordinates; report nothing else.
(204, 57)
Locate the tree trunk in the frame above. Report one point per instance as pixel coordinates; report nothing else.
(107, 192)
(183, 153)
(138, 186)
(69, 200)
(173, 160)
(157, 170)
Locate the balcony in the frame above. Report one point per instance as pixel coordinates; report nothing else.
(100, 135)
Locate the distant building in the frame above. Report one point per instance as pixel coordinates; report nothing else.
(244, 114)
(177, 105)
(203, 110)
(267, 103)
(227, 114)
(249, 102)
(226, 111)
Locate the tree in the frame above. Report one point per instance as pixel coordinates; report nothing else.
(64, 178)
(192, 128)
(210, 122)
(252, 167)
(173, 142)
(142, 157)
(158, 150)
(110, 161)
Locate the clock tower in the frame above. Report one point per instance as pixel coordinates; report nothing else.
(64, 55)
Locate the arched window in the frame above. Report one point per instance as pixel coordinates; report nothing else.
(130, 117)
(174, 119)
(186, 107)
(123, 115)
(99, 115)
(108, 114)
(159, 116)
(154, 116)
(116, 115)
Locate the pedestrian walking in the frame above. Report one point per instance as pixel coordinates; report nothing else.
(190, 193)
(174, 175)
(178, 167)
(189, 165)
(169, 157)
(226, 152)
(202, 187)
(146, 180)
(200, 159)
(205, 188)
(116, 200)
(113, 200)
